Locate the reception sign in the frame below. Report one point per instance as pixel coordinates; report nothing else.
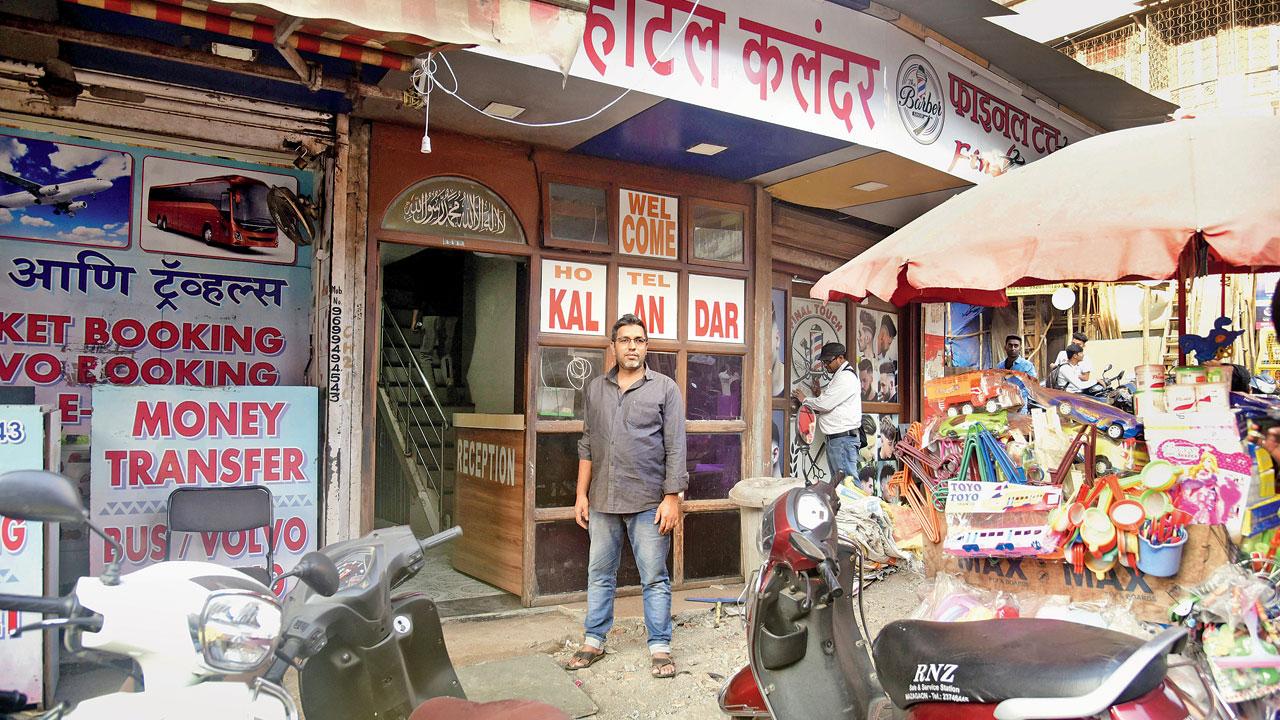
(21, 554)
(161, 440)
(573, 298)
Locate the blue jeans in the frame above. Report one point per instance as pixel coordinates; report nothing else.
(842, 456)
(650, 549)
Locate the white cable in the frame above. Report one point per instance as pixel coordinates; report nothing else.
(424, 79)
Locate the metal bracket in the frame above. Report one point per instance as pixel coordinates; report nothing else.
(310, 73)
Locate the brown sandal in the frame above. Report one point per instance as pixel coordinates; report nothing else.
(583, 659)
(659, 663)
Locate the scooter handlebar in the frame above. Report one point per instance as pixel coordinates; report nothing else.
(60, 606)
(440, 538)
(834, 588)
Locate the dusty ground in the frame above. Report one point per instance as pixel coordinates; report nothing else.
(620, 684)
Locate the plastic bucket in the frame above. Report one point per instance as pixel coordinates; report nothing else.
(1161, 560)
(1149, 377)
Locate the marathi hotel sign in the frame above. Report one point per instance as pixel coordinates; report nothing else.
(453, 207)
(826, 69)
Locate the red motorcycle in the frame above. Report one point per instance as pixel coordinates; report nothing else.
(810, 656)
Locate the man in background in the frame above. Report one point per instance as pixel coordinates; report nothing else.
(839, 410)
(1013, 359)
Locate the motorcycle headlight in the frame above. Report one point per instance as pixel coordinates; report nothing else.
(238, 630)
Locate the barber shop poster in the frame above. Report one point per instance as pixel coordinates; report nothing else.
(159, 441)
(811, 324)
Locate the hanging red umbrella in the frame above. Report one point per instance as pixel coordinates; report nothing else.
(1125, 205)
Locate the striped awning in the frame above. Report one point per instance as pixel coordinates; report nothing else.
(385, 33)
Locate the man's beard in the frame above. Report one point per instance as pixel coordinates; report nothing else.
(632, 363)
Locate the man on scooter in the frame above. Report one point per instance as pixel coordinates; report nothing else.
(1073, 379)
(631, 472)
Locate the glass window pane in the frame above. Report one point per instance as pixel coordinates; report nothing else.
(715, 465)
(715, 387)
(711, 544)
(564, 374)
(662, 362)
(560, 558)
(578, 213)
(556, 458)
(717, 234)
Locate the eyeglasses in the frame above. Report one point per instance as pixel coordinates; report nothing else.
(632, 342)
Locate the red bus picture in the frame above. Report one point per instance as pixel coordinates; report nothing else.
(224, 210)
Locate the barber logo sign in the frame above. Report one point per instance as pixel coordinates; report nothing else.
(920, 99)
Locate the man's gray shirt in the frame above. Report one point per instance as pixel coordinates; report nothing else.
(635, 442)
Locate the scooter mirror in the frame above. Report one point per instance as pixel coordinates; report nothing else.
(318, 571)
(41, 496)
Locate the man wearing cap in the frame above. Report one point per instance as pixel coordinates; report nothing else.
(839, 409)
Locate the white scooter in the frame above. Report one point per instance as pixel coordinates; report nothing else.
(200, 633)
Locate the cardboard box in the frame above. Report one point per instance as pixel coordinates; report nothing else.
(1150, 597)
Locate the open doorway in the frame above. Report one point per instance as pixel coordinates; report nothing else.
(453, 339)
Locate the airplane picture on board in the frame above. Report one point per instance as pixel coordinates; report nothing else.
(67, 193)
(63, 197)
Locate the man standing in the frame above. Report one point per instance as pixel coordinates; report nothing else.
(1013, 359)
(631, 472)
(839, 409)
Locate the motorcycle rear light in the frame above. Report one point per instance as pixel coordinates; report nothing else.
(238, 630)
(740, 696)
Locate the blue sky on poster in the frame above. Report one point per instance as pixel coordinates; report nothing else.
(105, 219)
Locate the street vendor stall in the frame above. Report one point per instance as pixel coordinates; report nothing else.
(1026, 489)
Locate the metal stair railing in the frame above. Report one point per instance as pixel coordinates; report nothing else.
(421, 417)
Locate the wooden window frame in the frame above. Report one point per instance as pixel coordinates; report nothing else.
(609, 247)
(691, 259)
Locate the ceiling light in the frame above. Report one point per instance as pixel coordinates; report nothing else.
(870, 186)
(503, 110)
(235, 52)
(706, 149)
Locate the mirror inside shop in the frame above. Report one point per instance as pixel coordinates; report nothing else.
(1101, 452)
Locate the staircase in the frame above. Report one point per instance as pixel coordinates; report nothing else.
(1171, 333)
(415, 412)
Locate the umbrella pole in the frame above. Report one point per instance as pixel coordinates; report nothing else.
(1146, 319)
(1182, 312)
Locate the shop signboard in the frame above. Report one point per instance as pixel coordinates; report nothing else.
(648, 225)
(161, 440)
(21, 554)
(453, 208)
(572, 300)
(95, 291)
(825, 69)
(652, 296)
(1268, 351)
(715, 312)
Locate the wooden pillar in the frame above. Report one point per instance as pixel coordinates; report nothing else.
(760, 400)
(348, 487)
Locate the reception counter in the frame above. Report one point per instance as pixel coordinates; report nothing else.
(489, 498)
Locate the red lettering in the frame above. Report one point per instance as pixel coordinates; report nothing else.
(192, 428)
(635, 203)
(151, 421)
(13, 535)
(714, 320)
(70, 410)
(85, 365)
(654, 316)
(295, 534)
(555, 309)
(271, 412)
(9, 327)
(117, 460)
(96, 331)
(9, 367)
(293, 459)
(129, 333)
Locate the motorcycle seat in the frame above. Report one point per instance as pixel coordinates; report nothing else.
(990, 661)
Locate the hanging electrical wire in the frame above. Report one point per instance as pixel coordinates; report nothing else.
(424, 80)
